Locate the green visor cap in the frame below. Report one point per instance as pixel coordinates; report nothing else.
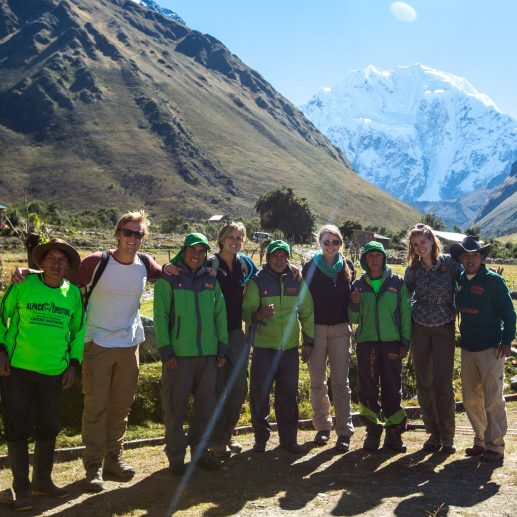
(372, 246)
(278, 245)
(191, 240)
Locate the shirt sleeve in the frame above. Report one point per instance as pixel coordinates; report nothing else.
(405, 315)
(221, 321)
(306, 314)
(506, 311)
(77, 329)
(83, 275)
(353, 308)
(251, 302)
(7, 306)
(155, 270)
(162, 314)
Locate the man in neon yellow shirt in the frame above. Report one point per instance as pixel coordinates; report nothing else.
(41, 349)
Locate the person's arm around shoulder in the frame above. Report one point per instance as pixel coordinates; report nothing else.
(221, 326)
(161, 316)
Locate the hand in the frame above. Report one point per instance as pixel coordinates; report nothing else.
(297, 273)
(266, 312)
(18, 275)
(171, 269)
(356, 296)
(503, 351)
(171, 363)
(69, 378)
(403, 352)
(5, 369)
(306, 353)
(220, 362)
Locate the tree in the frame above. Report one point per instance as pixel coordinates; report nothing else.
(432, 220)
(347, 226)
(474, 231)
(282, 209)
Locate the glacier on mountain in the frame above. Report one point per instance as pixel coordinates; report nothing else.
(421, 134)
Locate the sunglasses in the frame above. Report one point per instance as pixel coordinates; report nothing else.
(131, 233)
(334, 242)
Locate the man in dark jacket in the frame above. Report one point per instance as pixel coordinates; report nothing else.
(487, 329)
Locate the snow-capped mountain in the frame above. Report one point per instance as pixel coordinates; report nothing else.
(162, 10)
(421, 134)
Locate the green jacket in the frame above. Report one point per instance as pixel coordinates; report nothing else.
(487, 312)
(382, 317)
(190, 315)
(293, 306)
(42, 327)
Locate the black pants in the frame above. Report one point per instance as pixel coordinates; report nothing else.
(379, 369)
(30, 405)
(281, 367)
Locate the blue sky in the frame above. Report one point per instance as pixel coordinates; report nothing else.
(301, 46)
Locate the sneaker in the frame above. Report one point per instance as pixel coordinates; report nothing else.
(448, 448)
(93, 480)
(235, 446)
(474, 451)
(221, 451)
(322, 437)
(208, 461)
(342, 444)
(114, 466)
(294, 448)
(490, 456)
(259, 447)
(432, 444)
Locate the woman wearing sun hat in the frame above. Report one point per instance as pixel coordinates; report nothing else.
(41, 348)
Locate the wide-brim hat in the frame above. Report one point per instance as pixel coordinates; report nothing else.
(278, 245)
(469, 244)
(56, 244)
(191, 240)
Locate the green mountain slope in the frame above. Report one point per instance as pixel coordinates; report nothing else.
(107, 103)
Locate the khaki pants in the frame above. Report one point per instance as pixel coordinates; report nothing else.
(432, 350)
(110, 378)
(331, 342)
(482, 380)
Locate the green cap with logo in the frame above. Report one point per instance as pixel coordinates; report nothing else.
(368, 248)
(191, 240)
(278, 245)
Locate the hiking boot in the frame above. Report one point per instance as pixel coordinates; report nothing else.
(448, 448)
(373, 437)
(115, 467)
(177, 467)
(259, 447)
(49, 489)
(208, 461)
(93, 478)
(294, 448)
(19, 460)
(393, 439)
(474, 451)
(322, 437)
(342, 444)
(235, 446)
(432, 444)
(221, 451)
(490, 456)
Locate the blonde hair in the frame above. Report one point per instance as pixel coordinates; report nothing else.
(413, 260)
(334, 230)
(226, 231)
(139, 216)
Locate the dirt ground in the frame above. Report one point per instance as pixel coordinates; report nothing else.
(316, 483)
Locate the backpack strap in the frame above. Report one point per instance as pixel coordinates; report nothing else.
(145, 261)
(98, 273)
(247, 266)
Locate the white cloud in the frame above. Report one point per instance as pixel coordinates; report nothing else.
(327, 89)
(403, 12)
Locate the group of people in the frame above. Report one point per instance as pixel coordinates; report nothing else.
(200, 304)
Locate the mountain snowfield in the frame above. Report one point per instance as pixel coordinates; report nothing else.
(421, 134)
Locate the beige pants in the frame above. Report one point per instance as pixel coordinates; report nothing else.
(331, 342)
(110, 378)
(482, 380)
